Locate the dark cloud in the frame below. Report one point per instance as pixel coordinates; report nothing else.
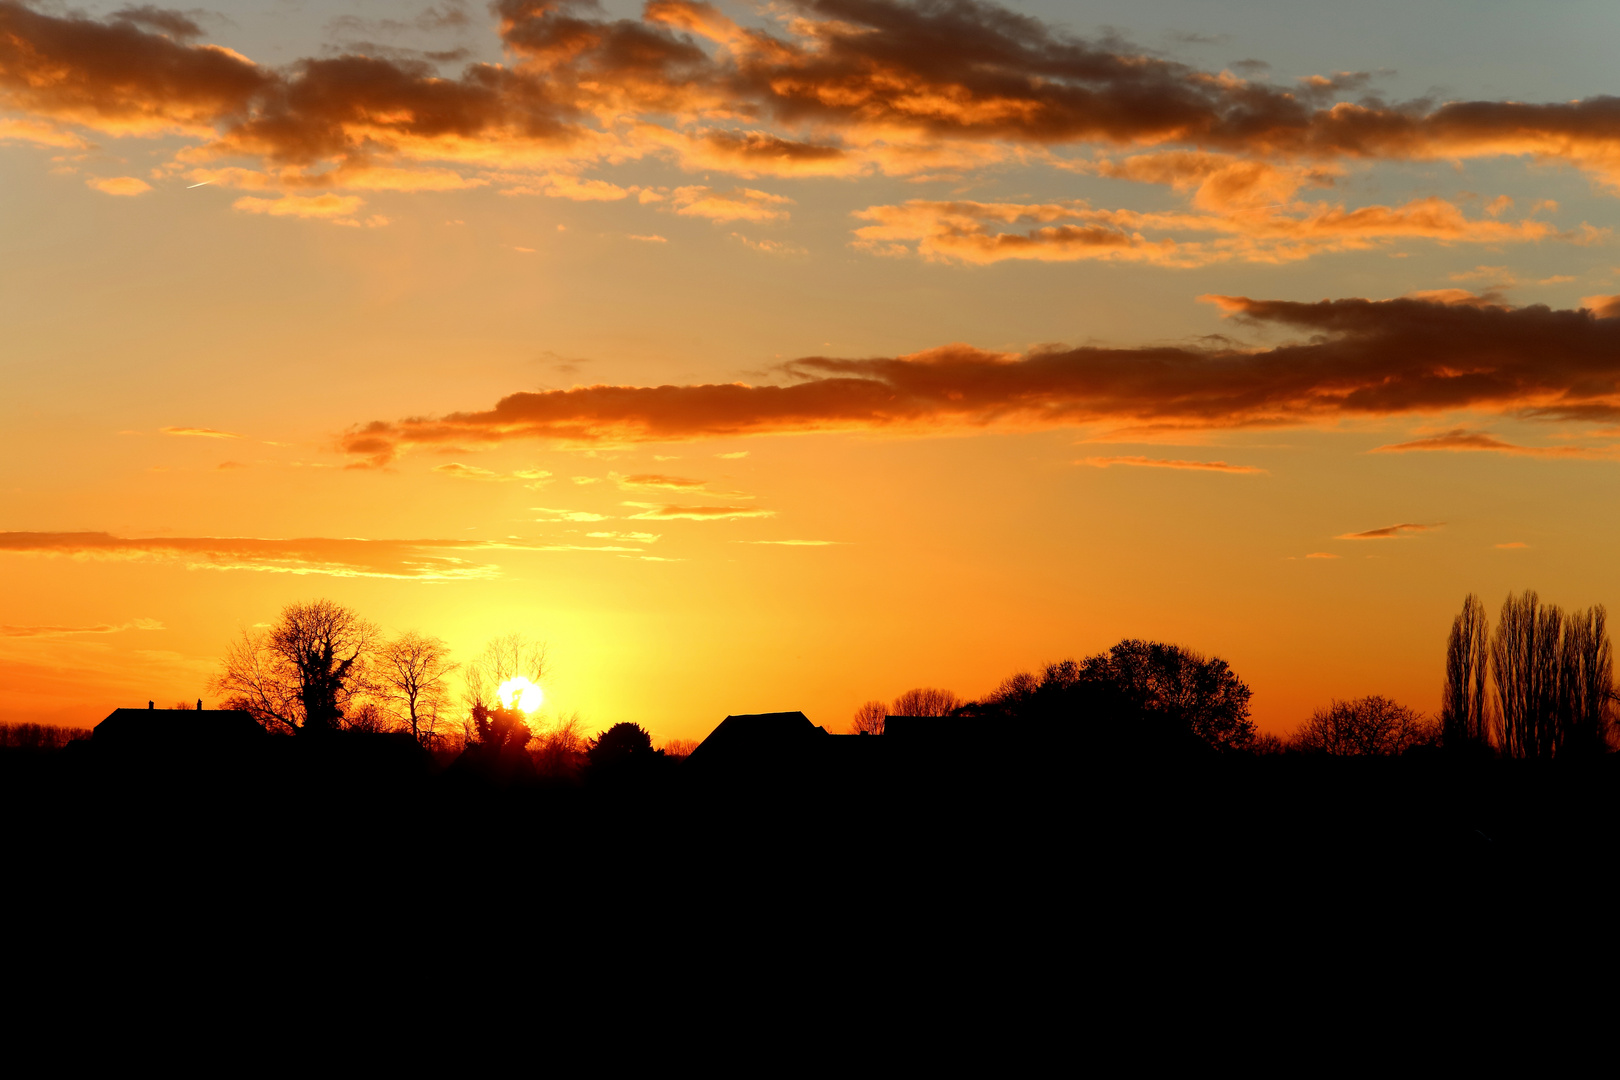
(178, 25)
(1360, 358)
(846, 84)
(117, 77)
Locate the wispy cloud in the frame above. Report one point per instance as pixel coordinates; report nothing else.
(1390, 532)
(534, 478)
(1323, 555)
(568, 515)
(653, 511)
(796, 543)
(11, 631)
(201, 432)
(658, 480)
(1460, 440)
(408, 560)
(1512, 545)
(1170, 463)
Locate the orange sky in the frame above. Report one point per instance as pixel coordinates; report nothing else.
(786, 358)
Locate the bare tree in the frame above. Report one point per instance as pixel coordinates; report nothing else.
(1366, 727)
(925, 701)
(504, 658)
(1586, 682)
(1462, 715)
(413, 673)
(1526, 673)
(869, 718)
(679, 748)
(304, 671)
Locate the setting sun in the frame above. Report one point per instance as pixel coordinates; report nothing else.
(522, 694)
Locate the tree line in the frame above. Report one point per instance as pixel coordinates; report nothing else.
(321, 668)
(1538, 686)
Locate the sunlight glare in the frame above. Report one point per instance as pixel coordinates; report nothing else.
(524, 693)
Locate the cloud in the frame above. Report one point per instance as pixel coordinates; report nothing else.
(733, 456)
(740, 204)
(326, 206)
(537, 478)
(1360, 358)
(822, 87)
(119, 185)
(651, 511)
(1323, 555)
(565, 186)
(1460, 440)
(795, 543)
(658, 480)
(63, 631)
(638, 537)
(769, 247)
(977, 233)
(568, 515)
(1389, 532)
(406, 560)
(1512, 545)
(1170, 463)
(651, 238)
(466, 472)
(201, 432)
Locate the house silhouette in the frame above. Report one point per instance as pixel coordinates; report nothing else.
(169, 729)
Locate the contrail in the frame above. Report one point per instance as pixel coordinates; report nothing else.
(205, 182)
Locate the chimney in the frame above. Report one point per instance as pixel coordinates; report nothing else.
(151, 705)
(199, 704)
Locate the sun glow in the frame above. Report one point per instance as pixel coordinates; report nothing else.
(522, 693)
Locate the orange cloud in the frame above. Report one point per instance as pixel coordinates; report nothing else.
(1388, 532)
(64, 631)
(1461, 440)
(409, 560)
(972, 232)
(201, 432)
(119, 185)
(1170, 463)
(650, 511)
(1361, 358)
(659, 480)
(327, 206)
(740, 204)
(834, 88)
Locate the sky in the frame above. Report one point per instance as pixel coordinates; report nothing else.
(771, 356)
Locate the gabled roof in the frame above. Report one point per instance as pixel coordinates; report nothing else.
(757, 736)
(196, 727)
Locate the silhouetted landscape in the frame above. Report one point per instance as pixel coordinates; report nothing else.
(334, 751)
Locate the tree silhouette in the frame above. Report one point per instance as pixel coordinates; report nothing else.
(622, 750)
(302, 673)
(1463, 720)
(925, 701)
(869, 718)
(1140, 696)
(1371, 726)
(506, 657)
(413, 674)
